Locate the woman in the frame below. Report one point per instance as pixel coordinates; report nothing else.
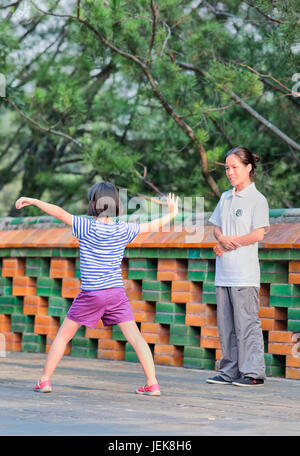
(241, 219)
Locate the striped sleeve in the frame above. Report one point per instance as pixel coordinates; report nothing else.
(80, 226)
(133, 230)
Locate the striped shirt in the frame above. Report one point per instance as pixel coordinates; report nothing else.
(101, 251)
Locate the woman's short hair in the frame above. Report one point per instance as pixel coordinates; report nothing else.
(103, 200)
(245, 156)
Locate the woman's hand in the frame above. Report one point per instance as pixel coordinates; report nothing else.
(219, 250)
(228, 242)
(172, 203)
(24, 201)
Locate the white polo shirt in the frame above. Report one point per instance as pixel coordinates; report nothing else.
(238, 214)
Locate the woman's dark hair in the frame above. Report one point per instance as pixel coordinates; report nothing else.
(245, 156)
(103, 200)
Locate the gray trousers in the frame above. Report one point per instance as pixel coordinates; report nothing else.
(240, 333)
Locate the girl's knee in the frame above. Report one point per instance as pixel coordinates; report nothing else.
(135, 339)
(67, 330)
(64, 335)
(130, 331)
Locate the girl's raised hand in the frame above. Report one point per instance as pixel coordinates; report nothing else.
(173, 203)
(24, 201)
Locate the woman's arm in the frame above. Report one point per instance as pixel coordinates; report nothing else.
(50, 209)
(226, 243)
(250, 238)
(154, 225)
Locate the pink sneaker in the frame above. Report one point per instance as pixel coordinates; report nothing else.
(43, 387)
(152, 390)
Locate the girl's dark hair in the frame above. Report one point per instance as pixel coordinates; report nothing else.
(245, 156)
(103, 200)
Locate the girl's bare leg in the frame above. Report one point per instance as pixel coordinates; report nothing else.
(57, 349)
(134, 337)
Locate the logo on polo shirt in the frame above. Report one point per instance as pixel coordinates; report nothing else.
(239, 212)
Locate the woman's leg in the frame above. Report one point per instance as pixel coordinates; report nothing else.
(229, 367)
(249, 333)
(134, 337)
(57, 349)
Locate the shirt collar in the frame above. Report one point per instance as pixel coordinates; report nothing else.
(245, 192)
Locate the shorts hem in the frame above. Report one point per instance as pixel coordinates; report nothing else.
(87, 325)
(75, 321)
(120, 321)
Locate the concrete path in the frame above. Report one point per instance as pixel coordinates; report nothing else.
(92, 397)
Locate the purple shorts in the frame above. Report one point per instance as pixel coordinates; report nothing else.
(111, 305)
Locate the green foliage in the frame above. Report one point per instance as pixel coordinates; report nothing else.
(202, 136)
(235, 80)
(63, 76)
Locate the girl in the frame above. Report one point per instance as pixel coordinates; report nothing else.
(241, 219)
(102, 243)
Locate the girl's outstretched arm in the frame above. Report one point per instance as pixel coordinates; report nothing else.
(155, 224)
(50, 209)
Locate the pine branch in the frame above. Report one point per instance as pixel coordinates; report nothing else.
(248, 108)
(146, 181)
(269, 76)
(35, 24)
(58, 39)
(40, 127)
(152, 200)
(168, 108)
(264, 121)
(154, 22)
(10, 5)
(16, 6)
(217, 12)
(272, 19)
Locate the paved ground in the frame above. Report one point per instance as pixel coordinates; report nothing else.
(93, 397)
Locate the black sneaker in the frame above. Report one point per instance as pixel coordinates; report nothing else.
(248, 381)
(218, 380)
